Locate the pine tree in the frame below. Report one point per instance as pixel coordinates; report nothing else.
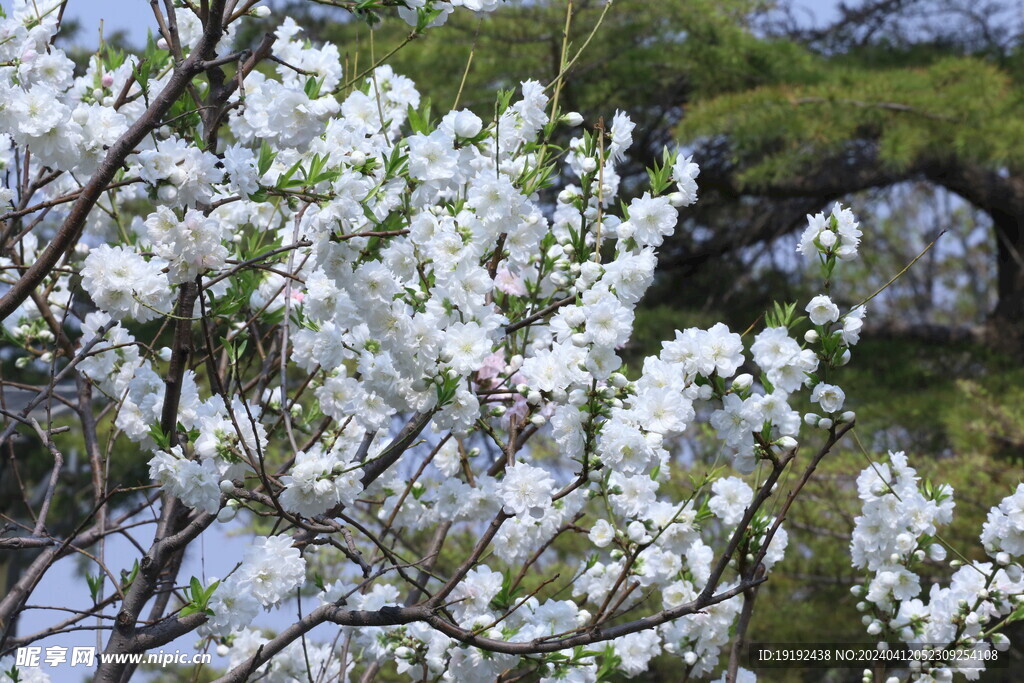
(784, 120)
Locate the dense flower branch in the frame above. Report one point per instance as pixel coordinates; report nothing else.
(391, 341)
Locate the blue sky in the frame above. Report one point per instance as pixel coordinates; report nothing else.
(135, 16)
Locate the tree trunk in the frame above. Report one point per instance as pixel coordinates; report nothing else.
(1007, 321)
(1001, 196)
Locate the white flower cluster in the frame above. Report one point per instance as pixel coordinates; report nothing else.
(397, 318)
(319, 481)
(395, 308)
(894, 537)
(196, 484)
(124, 284)
(270, 571)
(1004, 528)
(190, 246)
(835, 235)
(291, 664)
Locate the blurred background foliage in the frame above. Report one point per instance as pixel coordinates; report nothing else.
(909, 110)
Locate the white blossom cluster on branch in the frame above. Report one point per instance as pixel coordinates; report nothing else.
(392, 339)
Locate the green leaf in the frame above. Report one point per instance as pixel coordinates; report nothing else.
(265, 159)
(142, 71)
(286, 178)
(162, 440)
(419, 120)
(425, 17)
(128, 577)
(506, 596)
(95, 584)
(313, 86)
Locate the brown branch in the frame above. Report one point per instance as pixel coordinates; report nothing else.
(70, 230)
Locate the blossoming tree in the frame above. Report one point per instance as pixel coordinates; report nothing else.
(296, 292)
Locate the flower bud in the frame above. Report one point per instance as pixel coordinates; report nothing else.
(787, 443)
(577, 397)
(167, 193)
(533, 397)
(226, 514)
(538, 420)
(467, 124)
(811, 336)
(677, 199)
(589, 165)
(742, 382)
(227, 486)
(573, 118)
(575, 317)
